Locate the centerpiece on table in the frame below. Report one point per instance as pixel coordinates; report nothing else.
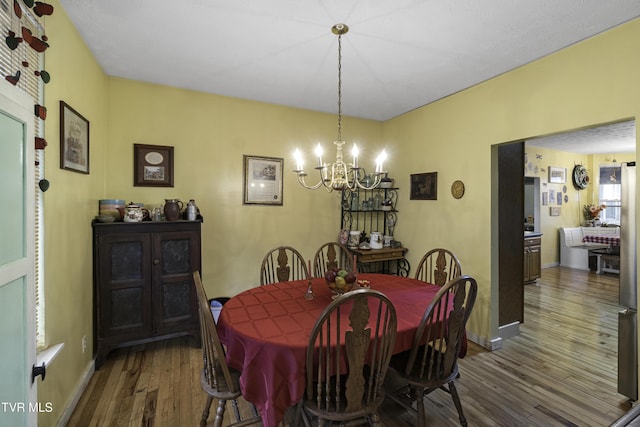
(340, 280)
(592, 213)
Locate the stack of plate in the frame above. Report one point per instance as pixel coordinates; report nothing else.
(113, 207)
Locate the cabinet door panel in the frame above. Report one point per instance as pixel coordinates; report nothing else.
(126, 260)
(126, 308)
(176, 300)
(124, 290)
(176, 257)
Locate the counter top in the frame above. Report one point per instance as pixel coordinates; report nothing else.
(532, 234)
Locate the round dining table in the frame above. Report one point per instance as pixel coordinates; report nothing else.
(266, 332)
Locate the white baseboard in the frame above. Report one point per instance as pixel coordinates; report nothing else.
(509, 331)
(489, 344)
(75, 397)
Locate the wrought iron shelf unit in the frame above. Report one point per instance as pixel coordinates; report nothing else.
(374, 210)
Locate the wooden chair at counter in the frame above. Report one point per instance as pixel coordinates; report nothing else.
(367, 321)
(331, 255)
(218, 380)
(438, 266)
(433, 366)
(282, 264)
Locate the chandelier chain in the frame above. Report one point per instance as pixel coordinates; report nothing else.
(340, 87)
(341, 175)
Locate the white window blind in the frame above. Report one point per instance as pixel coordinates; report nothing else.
(27, 61)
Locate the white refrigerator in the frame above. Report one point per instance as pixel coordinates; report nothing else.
(628, 316)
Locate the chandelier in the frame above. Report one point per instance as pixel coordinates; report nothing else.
(340, 175)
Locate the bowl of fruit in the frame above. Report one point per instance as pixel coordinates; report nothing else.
(340, 280)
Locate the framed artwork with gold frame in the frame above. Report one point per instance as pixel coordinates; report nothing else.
(262, 180)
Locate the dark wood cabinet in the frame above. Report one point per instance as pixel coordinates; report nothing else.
(532, 259)
(143, 286)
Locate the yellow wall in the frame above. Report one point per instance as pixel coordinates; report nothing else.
(593, 82)
(69, 204)
(570, 213)
(211, 134)
(590, 83)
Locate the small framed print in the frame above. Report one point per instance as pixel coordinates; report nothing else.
(424, 186)
(74, 140)
(152, 165)
(557, 175)
(262, 180)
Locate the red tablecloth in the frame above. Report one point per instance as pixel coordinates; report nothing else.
(605, 239)
(266, 331)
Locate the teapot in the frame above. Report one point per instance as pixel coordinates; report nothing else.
(134, 213)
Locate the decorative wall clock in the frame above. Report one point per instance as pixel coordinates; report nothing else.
(457, 189)
(580, 177)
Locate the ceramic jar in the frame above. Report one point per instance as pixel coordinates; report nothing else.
(172, 208)
(192, 210)
(354, 238)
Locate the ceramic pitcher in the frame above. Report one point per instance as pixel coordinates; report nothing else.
(172, 208)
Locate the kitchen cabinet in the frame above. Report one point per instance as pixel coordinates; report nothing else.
(143, 285)
(374, 210)
(532, 258)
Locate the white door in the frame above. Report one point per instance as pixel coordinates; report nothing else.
(18, 397)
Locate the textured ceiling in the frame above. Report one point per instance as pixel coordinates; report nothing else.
(397, 56)
(607, 139)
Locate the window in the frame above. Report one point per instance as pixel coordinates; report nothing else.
(609, 194)
(23, 62)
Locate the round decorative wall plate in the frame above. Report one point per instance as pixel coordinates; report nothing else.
(580, 177)
(457, 189)
(154, 158)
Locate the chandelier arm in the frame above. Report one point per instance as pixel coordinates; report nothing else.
(302, 182)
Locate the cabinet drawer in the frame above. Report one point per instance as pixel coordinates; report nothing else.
(533, 241)
(381, 256)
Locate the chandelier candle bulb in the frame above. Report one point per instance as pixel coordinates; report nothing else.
(319, 154)
(299, 163)
(355, 156)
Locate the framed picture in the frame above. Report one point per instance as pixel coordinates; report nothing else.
(554, 211)
(152, 165)
(557, 175)
(262, 180)
(424, 186)
(74, 140)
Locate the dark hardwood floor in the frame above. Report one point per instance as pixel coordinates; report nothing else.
(560, 371)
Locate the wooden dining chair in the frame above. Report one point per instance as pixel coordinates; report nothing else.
(434, 365)
(331, 255)
(347, 359)
(218, 380)
(282, 264)
(438, 266)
